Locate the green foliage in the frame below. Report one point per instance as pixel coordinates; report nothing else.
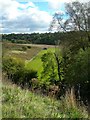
(77, 67)
(16, 71)
(45, 38)
(18, 103)
(12, 65)
(49, 73)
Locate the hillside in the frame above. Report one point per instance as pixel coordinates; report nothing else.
(18, 103)
(23, 103)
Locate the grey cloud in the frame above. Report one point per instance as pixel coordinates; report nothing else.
(24, 24)
(28, 20)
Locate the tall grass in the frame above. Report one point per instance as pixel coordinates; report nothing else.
(18, 103)
(72, 107)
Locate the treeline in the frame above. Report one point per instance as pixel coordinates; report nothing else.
(36, 38)
(43, 38)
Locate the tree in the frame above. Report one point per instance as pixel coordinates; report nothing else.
(49, 73)
(78, 19)
(78, 15)
(75, 46)
(12, 65)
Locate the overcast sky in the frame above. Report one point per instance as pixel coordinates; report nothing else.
(26, 16)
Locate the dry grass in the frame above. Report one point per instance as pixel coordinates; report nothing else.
(70, 105)
(39, 45)
(15, 50)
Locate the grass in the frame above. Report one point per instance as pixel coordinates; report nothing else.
(36, 63)
(18, 103)
(15, 50)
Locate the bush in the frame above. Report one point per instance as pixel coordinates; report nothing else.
(16, 71)
(24, 48)
(28, 75)
(28, 47)
(12, 65)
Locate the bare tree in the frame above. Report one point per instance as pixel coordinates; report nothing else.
(78, 19)
(79, 16)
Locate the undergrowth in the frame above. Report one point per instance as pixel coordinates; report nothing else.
(18, 103)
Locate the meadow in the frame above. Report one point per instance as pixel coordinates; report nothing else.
(19, 51)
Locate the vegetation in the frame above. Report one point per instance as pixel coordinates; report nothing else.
(75, 51)
(35, 63)
(16, 71)
(62, 72)
(16, 51)
(18, 103)
(45, 38)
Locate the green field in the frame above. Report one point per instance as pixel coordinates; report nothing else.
(36, 63)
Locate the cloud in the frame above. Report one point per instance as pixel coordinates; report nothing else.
(57, 4)
(9, 8)
(17, 17)
(54, 4)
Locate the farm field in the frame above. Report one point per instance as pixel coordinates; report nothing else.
(39, 45)
(16, 50)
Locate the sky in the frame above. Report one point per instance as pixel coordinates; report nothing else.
(28, 16)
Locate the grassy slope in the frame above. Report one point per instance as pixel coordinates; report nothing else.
(36, 63)
(15, 50)
(18, 103)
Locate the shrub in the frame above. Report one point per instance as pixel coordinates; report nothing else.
(16, 71)
(28, 75)
(12, 65)
(28, 47)
(24, 48)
